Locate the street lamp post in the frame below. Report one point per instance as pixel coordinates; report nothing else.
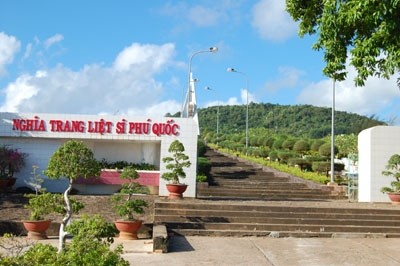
(209, 89)
(247, 103)
(210, 50)
(332, 181)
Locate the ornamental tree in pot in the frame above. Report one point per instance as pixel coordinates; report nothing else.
(11, 162)
(126, 207)
(40, 205)
(72, 160)
(176, 164)
(393, 170)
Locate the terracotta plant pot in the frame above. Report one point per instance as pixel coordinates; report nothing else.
(7, 183)
(176, 190)
(128, 229)
(395, 198)
(37, 229)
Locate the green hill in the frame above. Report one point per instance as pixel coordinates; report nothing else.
(295, 120)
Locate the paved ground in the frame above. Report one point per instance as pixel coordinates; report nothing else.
(264, 251)
(272, 251)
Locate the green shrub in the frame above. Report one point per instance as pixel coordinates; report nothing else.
(273, 155)
(85, 248)
(304, 164)
(288, 144)
(316, 144)
(201, 148)
(325, 167)
(301, 146)
(203, 166)
(284, 156)
(201, 178)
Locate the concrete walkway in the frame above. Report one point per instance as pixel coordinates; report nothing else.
(270, 251)
(255, 251)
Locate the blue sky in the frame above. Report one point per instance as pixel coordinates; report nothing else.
(132, 57)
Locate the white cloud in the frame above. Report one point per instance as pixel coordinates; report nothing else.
(9, 46)
(127, 87)
(203, 16)
(272, 21)
(288, 78)
(53, 40)
(200, 15)
(147, 57)
(373, 97)
(247, 95)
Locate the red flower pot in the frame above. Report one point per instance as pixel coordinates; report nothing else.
(128, 229)
(395, 198)
(176, 190)
(37, 229)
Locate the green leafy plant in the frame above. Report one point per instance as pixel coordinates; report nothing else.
(90, 245)
(94, 227)
(72, 160)
(46, 203)
(176, 163)
(201, 178)
(36, 180)
(122, 203)
(392, 170)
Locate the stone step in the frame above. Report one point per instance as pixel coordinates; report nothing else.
(277, 234)
(285, 227)
(229, 185)
(342, 207)
(206, 215)
(321, 222)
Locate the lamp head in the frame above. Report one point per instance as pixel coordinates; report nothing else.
(213, 49)
(208, 88)
(230, 69)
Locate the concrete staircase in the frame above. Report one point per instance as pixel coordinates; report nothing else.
(245, 200)
(266, 219)
(234, 179)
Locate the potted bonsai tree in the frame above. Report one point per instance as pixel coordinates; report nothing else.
(40, 205)
(176, 164)
(11, 162)
(72, 160)
(126, 207)
(393, 170)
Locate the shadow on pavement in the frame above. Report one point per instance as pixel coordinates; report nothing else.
(179, 244)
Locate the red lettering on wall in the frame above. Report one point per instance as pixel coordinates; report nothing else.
(29, 124)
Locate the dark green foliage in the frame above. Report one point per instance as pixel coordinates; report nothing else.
(296, 120)
(304, 164)
(325, 167)
(364, 33)
(89, 246)
(325, 150)
(176, 162)
(104, 164)
(316, 144)
(301, 146)
(278, 143)
(269, 142)
(122, 203)
(201, 148)
(288, 144)
(94, 227)
(203, 166)
(284, 156)
(321, 167)
(392, 170)
(273, 155)
(201, 178)
(46, 203)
